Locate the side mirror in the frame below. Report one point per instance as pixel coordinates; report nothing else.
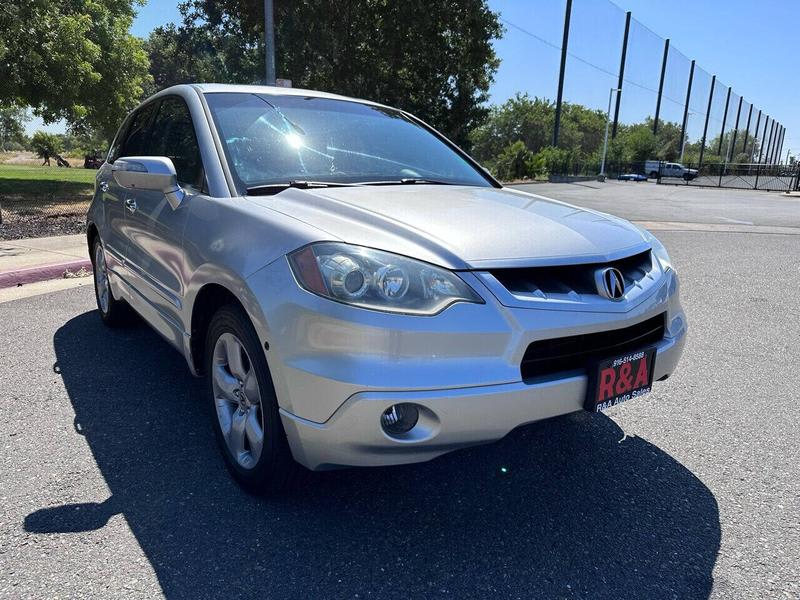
(152, 173)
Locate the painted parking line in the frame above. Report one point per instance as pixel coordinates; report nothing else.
(737, 221)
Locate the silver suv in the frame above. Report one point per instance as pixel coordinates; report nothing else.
(358, 291)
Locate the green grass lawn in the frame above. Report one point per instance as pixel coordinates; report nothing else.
(46, 183)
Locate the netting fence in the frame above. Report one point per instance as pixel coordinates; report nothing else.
(594, 54)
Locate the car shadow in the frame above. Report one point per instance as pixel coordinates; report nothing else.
(569, 507)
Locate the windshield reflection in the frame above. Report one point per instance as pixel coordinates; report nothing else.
(279, 139)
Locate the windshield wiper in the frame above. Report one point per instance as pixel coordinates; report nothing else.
(411, 181)
(274, 188)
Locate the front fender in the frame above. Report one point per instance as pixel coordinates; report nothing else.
(213, 274)
(227, 239)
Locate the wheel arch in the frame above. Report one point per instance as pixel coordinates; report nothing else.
(92, 234)
(209, 299)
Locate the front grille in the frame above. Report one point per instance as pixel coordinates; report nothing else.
(567, 279)
(577, 352)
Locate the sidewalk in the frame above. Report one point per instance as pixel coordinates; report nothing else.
(39, 259)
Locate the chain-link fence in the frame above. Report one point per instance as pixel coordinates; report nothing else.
(741, 176)
(593, 54)
(22, 218)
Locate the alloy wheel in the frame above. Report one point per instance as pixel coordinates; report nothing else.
(237, 399)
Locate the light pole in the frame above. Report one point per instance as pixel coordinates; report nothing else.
(269, 42)
(605, 138)
(683, 140)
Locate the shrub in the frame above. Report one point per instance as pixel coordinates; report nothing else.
(514, 162)
(553, 160)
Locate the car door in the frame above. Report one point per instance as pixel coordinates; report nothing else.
(154, 230)
(130, 142)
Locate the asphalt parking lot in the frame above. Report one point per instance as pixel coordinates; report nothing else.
(649, 201)
(112, 486)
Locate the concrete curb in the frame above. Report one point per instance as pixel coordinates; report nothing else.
(42, 272)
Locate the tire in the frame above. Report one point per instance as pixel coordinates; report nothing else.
(653, 174)
(113, 312)
(242, 401)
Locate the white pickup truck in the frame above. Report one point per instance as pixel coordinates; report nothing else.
(668, 169)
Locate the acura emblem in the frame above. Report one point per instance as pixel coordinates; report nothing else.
(610, 283)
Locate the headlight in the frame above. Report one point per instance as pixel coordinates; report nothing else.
(658, 250)
(378, 280)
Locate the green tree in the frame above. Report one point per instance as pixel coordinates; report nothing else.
(715, 152)
(197, 53)
(668, 140)
(73, 59)
(46, 144)
(12, 127)
(531, 121)
(634, 143)
(85, 142)
(582, 129)
(433, 58)
(521, 118)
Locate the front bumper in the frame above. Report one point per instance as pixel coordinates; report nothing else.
(337, 368)
(452, 418)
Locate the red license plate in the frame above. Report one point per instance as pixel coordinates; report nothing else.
(619, 379)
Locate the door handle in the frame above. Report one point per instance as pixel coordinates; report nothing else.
(130, 204)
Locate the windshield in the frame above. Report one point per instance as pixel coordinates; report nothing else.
(278, 139)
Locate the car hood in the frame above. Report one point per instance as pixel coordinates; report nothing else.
(462, 227)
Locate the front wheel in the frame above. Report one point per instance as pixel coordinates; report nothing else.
(113, 312)
(246, 419)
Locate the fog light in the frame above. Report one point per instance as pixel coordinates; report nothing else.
(399, 418)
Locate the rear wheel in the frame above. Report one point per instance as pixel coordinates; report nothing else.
(246, 419)
(113, 312)
(653, 174)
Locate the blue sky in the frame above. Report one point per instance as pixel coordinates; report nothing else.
(750, 46)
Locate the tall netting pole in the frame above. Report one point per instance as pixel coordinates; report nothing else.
(732, 151)
(755, 137)
(747, 129)
(769, 140)
(621, 71)
(772, 144)
(776, 156)
(763, 140)
(708, 114)
(564, 44)
(724, 118)
(783, 137)
(661, 85)
(686, 109)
